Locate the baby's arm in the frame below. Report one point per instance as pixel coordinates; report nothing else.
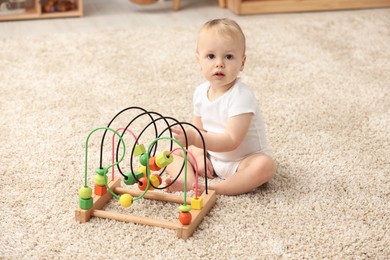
(236, 129)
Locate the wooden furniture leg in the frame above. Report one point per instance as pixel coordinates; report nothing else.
(222, 3)
(176, 5)
(280, 6)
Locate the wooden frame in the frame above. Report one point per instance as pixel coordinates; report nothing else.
(36, 13)
(182, 231)
(176, 4)
(280, 6)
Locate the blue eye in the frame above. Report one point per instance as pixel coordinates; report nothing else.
(229, 57)
(210, 56)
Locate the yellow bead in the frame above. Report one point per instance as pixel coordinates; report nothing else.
(197, 203)
(126, 200)
(99, 179)
(154, 181)
(162, 160)
(142, 169)
(85, 192)
(139, 149)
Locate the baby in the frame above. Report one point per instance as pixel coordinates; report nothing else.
(226, 111)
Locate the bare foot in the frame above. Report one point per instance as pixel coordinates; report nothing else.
(198, 190)
(202, 188)
(178, 185)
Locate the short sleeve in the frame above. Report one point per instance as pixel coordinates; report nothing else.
(242, 101)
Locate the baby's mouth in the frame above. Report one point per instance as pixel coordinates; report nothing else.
(219, 74)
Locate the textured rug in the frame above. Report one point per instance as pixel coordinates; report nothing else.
(322, 82)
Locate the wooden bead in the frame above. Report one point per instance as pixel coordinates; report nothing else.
(152, 164)
(101, 171)
(154, 181)
(143, 159)
(85, 192)
(184, 208)
(126, 200)
(130, 180)
(99, 180)
(158, 177)
(139, 149)
(142, 169)
(162, 160)
(142, 183)
(100, 190)
(185, 218)
(197, 203)
(86, 203)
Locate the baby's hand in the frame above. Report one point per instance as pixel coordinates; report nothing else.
(178, 134)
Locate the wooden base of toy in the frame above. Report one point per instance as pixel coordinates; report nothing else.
(182, 231)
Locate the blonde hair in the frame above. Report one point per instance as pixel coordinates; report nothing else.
(226, 27)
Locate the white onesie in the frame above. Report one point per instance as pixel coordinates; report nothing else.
(239, 99)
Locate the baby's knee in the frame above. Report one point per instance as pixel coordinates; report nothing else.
(266, 169)
(269, 168)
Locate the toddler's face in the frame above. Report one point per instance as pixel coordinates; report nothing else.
(221, 58)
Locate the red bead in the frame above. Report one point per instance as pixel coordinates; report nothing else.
(185, 218)
(142, 183)
(100, 190)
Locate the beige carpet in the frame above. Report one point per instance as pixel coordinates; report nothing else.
(322, 81)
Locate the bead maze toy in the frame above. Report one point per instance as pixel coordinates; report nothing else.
(147, 176)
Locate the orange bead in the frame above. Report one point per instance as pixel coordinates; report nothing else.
(142, 183)
(185, 218)
(100, 190)
(152, 164)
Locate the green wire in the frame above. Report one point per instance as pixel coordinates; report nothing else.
(111, 165)
(147, 165)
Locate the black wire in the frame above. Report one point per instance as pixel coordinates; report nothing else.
(153, 122)
(136, 141)
(185, 136)
(105, 132)
(204, 148)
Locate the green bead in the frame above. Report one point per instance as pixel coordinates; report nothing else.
(185, 208)
(86, 203)
(130, 180)
(101, 171)
(143, 159)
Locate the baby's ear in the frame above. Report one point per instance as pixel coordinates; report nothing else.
(243, 62)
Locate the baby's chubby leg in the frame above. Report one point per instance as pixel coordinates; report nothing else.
(196, 156)
(252, 172)
(199, 154)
